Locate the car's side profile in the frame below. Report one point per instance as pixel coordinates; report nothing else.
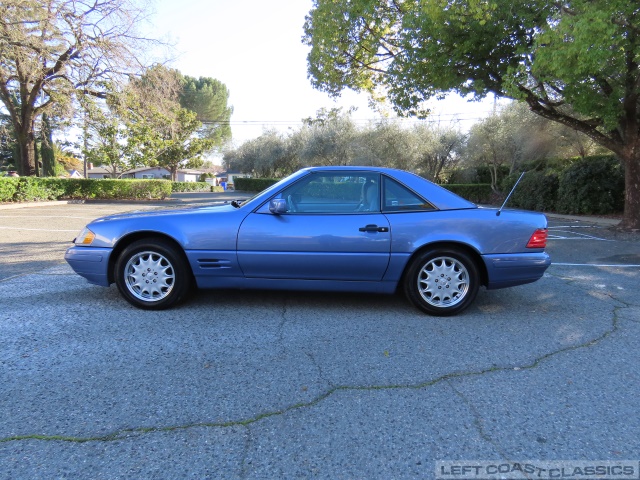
(358, 229)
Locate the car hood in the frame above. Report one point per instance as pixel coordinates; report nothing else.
(172, 212)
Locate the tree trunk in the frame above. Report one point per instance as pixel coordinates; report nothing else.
(631, 218)
(27, 149)
(493, 171)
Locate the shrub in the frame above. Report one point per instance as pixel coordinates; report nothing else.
(253, 184)
(594, 185)
(190, 187)
(125, 189)
(32, 189)
(8, 188)
(29, 189)
(484, 173)
(476, 193)
(78, 188)
(538, 190)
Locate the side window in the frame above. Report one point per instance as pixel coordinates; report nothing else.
(334, 192)
(398, 198)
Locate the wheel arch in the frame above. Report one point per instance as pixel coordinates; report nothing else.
(127, 240)
(465, 248)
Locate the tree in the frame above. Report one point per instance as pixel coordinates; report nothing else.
(144, 124)
(330, 138)
(509, 138)
(386, 144)
(107, 141)
(47, 153)
(168, 132)
(208, 97)
(51, 50)
(65, 160)
(573, 62)
(7, 144)
(425, 148)
(269, 155)
(437, 149)
(177, 144)
(490, 144)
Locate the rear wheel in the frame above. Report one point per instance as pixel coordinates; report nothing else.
(442, 282)
(152, 274)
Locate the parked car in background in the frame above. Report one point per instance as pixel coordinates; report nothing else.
(356, 229)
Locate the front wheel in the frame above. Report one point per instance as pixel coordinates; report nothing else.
(151, 274)
(442, 282)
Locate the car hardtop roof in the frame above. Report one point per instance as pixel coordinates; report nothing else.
(351, 168)
(442, 198)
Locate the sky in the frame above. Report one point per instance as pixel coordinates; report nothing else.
(254, 47)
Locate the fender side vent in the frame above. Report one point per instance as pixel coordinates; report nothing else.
(213, 263)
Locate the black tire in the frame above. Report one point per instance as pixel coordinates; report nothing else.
(164, 281)
(442, 282)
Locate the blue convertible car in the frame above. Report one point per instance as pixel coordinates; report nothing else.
(357, 229)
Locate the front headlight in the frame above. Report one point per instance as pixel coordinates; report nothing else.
(85, 237)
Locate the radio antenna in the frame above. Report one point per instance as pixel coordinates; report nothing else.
(510, 193)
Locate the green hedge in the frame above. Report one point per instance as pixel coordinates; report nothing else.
(592, 186)
(253, 184)
(476, 193)
(587, 186)
(190, 187)
(8, 188)
(29, 189)
(536, 191)
(115, 189)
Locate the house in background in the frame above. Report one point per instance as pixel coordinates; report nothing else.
(73, 174)
(146, 173)
(226, 179)
(100, 172)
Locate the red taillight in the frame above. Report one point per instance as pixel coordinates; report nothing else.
(538, 239)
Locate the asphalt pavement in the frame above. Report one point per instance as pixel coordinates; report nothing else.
(245, 384)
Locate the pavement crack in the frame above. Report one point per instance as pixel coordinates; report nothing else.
(246, 422)
(245, 453)
(478, 421)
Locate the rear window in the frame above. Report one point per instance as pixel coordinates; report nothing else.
(398, 198)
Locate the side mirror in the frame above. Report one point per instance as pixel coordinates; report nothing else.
(278, 206)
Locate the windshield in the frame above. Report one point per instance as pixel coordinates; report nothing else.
(273, 187)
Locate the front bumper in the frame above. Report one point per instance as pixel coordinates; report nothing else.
(509, 270)
(91, 263)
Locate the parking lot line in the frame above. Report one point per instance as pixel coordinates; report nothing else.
(37, 229)
(594, 265)
(580, 236)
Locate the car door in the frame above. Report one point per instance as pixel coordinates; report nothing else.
(330, 230)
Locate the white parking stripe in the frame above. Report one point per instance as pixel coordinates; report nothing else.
(553, 237)
(593, 265)
(581, 236)
(45, 216)
(38, 229)
(572, 226)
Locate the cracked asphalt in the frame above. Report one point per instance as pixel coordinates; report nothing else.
(263, 385)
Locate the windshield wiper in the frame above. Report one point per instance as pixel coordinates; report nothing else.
(235, 203)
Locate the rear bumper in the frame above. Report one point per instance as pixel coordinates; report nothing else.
(90, 263)
(509, 270)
